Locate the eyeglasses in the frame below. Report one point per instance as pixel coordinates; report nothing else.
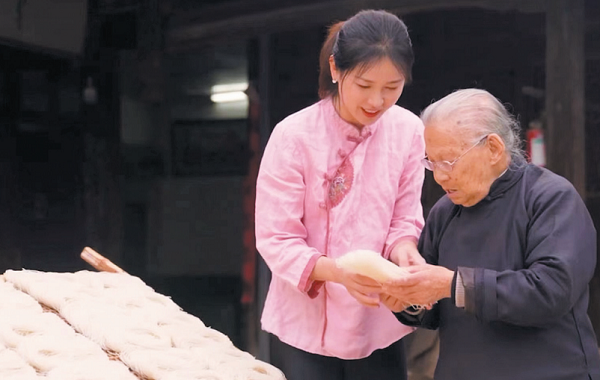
(447, 166)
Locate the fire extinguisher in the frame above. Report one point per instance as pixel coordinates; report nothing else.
(536, 150)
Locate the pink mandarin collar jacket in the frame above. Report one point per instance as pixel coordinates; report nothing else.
(326, 188)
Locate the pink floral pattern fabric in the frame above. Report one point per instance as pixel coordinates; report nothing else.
(341, 183)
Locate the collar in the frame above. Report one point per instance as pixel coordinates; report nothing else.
(507, 179)
(346, 129)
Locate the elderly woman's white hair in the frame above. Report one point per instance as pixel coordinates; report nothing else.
(477, 113)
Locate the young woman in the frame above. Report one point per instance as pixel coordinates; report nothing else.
(340, 175)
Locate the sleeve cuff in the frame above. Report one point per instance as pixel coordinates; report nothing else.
(428, 319)
(459, 290)
(411, 310)
(314, 289)
(467, 280)
(306, 285)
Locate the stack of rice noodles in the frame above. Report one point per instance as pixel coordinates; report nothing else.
(109, 326)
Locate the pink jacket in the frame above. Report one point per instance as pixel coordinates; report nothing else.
(324, 188)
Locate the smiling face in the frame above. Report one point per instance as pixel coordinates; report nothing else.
(364, 95)
(472, 175)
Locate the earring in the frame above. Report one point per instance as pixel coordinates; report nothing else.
(333, 81)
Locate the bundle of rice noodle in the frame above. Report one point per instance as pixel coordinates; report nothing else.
(92, 370)
(13, 299)
(45, 353)
(155, 364)
(370, 264)
(13, 366)
(18, 326)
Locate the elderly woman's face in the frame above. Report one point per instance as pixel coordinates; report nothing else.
(471, 176)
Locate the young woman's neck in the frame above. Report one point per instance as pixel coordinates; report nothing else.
(335, 100)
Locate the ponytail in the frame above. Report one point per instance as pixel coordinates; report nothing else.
(326, 87)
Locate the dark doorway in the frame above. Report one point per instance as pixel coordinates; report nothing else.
(40, 162)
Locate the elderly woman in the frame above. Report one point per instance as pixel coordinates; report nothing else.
(510, 250)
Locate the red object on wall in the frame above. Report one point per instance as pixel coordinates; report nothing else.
(536, 148)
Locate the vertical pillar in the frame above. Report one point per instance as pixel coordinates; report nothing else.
(565, 105)
(264, 275)
(102, 203)
(565, 90)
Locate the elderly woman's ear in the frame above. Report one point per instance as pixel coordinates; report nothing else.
(496, 147)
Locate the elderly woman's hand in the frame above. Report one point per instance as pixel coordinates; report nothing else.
(425, 285)
(405, 254)
(393, 303)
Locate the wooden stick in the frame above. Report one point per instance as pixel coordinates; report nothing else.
(99, 262)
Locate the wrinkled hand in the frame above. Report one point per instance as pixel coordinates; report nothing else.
(405, 254)
(425, 285)
(392, 303)
(364, 289)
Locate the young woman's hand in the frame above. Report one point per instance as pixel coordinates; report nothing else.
(364, 289)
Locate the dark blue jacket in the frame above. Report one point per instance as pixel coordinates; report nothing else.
(526, 254)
